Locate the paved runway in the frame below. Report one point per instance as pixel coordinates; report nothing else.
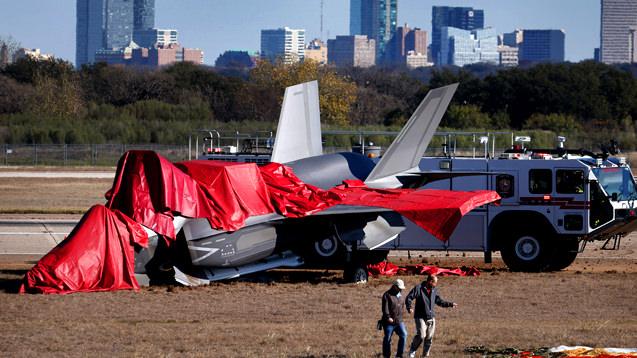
(36, 237)
(32, 237)
(56, 174)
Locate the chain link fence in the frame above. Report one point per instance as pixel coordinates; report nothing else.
(459, 143)
(81, 154)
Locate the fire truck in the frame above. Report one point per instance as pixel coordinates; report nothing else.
(554, 202)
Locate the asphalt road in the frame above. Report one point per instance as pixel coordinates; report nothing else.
(36, 237)
(32, 237)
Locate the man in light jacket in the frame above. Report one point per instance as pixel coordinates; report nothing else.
(426, 295)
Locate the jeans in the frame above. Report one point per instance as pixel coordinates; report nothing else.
(424, 333)
(401, 331)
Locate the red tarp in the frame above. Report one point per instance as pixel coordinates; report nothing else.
(98, 255)
(389, 269)
(150, 190)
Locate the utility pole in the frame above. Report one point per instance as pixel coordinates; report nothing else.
(322, 20)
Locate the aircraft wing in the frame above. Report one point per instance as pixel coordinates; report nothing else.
(405, 152)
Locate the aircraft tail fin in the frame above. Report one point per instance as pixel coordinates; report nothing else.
(298, 133)
(409, 146)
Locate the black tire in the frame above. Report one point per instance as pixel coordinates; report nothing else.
(526, 251)
(355, 273)
(563, 255)
(326, 251)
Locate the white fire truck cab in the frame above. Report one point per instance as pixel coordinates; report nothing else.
(553, 203)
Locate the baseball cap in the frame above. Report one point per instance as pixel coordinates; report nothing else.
(400, 284)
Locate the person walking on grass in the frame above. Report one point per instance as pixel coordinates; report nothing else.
(393, 304)
(426, 295)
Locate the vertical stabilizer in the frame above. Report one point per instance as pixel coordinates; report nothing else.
(298, 133)
(405, 152)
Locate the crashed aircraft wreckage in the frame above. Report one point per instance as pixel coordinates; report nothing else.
(199, 221)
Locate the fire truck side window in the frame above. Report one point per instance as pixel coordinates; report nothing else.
(569, 181)
(540, 181)
(504, 185)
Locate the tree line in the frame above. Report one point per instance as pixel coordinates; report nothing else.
(52, 102)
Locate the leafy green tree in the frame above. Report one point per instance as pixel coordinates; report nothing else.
(558, 123)
(465, 117)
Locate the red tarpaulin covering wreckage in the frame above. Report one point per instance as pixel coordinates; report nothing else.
(98, 255)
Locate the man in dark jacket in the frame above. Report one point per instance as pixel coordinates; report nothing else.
(392, 307)
(425, 294)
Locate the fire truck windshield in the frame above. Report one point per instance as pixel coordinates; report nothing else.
(617, 180)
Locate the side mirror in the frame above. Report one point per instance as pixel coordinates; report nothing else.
(613, 196)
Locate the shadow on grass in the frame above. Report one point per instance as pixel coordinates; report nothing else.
(295, 276)
(10, 280)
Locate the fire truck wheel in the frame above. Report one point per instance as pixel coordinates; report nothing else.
(526, 251)
(563, 255)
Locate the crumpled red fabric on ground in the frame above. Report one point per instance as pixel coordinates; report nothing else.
(387, 268)
(98, 255)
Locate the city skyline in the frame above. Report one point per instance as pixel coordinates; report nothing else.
(216, 27)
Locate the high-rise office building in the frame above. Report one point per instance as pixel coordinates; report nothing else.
(155, 37)
(351, 51)
(465, 18)
(618, 31)
(542, 46)
(513, 39)
(355, 10)
(144, 14)
(463, 47)
(285, 44)
(108, 24)
(376, 19)
(509, 56)
(316, 50)
(404, 41)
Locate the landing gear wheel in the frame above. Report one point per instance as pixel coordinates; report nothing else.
(356, 273)
(326, 247)
(526, 251)
(563, 255)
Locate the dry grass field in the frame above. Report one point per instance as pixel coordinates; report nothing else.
(296, 313)
(313, 314)
(51, 195)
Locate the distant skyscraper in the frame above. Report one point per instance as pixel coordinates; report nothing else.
(465, 18)
(513, 39)
(316, 50)
(155, 37)
(618, 31)
(108, 24)
(351, 51)
(463, 47)
(376, 19)
(118, 24)
(144, 14)
(404, 41)
(355, 11)
(285, 44)
(509, 56)
(542, 46)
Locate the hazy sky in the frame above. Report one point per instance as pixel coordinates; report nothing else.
(219, 25)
